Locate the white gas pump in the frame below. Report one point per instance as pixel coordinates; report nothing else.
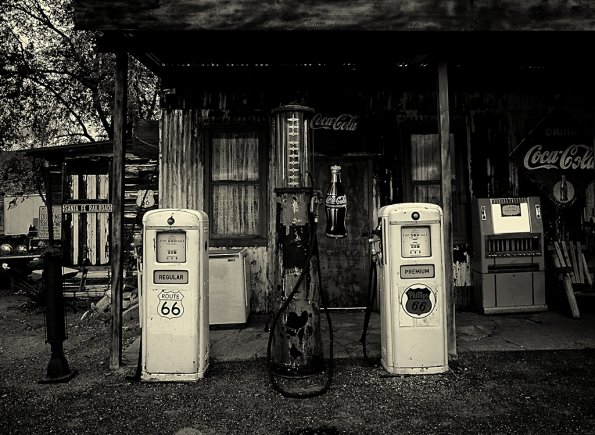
(174, 300)
(412, 290)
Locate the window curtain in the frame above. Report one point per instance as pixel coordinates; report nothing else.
(235, 157)
(236, 196)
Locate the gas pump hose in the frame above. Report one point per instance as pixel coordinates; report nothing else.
(313, 246)
(371, 298)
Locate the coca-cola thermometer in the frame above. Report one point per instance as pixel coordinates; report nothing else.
(292, 139)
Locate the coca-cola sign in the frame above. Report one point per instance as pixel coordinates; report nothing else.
(336, 201)
(341, 122)
(557, 155)
(572, 157)
(338, 132)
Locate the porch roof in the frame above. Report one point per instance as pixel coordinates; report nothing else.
(391, 15)
(177, 37)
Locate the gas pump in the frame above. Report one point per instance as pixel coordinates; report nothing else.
(295, 350)
(412, 290)
(174, 308)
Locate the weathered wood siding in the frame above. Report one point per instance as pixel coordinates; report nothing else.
(331, 15)
(89, 231)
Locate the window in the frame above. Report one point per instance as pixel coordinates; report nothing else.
(237, 177)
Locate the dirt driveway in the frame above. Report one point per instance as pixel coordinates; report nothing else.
(484, 392)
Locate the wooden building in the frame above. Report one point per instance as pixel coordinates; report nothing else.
(417, 100)
(80, 178)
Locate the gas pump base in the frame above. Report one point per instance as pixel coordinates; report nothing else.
(415, 370)
(173, 377)
(314, 367)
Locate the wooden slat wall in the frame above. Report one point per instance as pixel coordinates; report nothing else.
(93, 229)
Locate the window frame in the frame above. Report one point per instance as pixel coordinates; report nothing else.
(261, 238)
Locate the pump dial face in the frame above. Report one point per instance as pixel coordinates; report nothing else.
(171, 247)
(415, 241)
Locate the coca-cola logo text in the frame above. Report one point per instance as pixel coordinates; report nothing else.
(336, 201)
(343, 122)
(573, 157)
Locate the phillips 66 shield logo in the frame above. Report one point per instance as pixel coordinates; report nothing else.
(170, 304)
(418, 301)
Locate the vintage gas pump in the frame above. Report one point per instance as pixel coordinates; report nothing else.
(174, 300)
(412, 290)
(295, 347)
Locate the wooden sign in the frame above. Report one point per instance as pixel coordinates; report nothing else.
(86, 208)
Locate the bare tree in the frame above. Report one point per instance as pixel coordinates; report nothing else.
(55, 86)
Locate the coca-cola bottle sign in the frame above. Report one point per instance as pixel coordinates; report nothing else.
(336, 206)
(557, 156)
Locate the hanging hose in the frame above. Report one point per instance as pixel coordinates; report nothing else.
(312, 248)
(371, 299)
(372, 284)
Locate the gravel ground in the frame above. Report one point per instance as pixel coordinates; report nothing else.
(487, 392)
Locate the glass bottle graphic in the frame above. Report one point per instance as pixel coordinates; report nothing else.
(336, 206)
(563, 189)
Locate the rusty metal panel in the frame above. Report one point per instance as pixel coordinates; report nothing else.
(181, 163)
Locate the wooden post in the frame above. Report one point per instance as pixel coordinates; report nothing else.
(446, 194)
(116, 248)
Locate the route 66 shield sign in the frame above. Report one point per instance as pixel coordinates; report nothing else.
(170, 304)
(418, 301)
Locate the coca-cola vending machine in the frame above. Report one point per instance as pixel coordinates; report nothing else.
(508, 255)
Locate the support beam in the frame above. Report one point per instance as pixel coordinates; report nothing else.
(116, 248)
(446, 194)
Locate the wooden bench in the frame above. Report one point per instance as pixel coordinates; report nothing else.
(571, 265)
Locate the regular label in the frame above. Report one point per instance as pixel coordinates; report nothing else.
(170, 276)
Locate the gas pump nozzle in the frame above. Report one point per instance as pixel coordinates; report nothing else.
(314, 203)
(376, 241)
